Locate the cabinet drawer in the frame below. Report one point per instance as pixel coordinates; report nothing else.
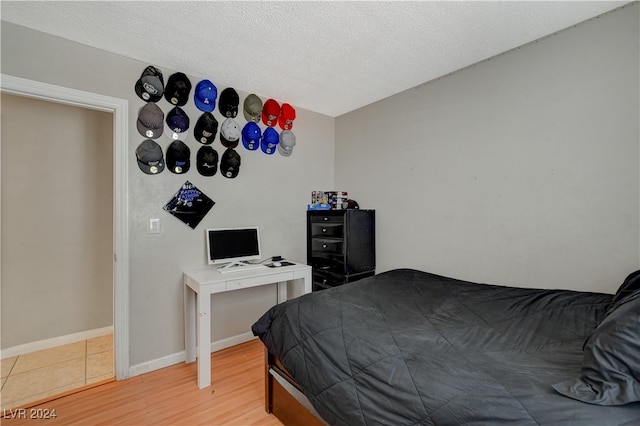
(326, 280)
(328, 229)
(327, 245)
(326, 218)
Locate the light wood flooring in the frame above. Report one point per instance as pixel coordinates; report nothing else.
(169, 396)
(62, 369)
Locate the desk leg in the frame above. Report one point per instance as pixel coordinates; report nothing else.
(282, 292)
(189, 324)
(307, 281)
(204, 340)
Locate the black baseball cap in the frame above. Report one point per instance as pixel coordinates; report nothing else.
(178, 157)
(150, 85)
(228, 103)
(207, 161)
(177, 89)
(206, 128)
(230, 163)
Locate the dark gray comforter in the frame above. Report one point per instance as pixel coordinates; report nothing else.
(411, 348)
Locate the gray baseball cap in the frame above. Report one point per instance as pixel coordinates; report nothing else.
(252, 108)
(287, 142)
(150, 122)
(150, 157)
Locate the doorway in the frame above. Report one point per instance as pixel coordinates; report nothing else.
(117, 254)
(57, 235)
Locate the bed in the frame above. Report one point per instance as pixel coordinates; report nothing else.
(407, 347)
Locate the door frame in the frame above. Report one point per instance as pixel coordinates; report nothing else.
(119, 108)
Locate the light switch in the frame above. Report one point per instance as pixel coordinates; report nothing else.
(154, 226)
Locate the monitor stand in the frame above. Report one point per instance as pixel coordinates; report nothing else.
(239, 267)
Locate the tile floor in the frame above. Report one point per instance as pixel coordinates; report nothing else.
(42, 374)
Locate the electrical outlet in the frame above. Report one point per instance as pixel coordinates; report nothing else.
(154, 226)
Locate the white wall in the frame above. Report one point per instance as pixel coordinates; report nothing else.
(520, 170)
(271, 192)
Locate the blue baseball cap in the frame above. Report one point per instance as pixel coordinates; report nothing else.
(270, 139)
(205, 96)
(176, 124)
(251, 135)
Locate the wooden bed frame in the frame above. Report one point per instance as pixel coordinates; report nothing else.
(283, 397)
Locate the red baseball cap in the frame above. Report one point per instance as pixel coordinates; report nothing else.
(270, 112)
(287, 115)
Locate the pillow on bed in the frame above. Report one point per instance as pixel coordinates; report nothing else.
(611, 359)
(630, 289)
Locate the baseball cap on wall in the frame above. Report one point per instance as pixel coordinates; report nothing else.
(287, 142)
(150, 85)
(206, 128)
(252, 108)
(229, 101)
(207, 161)
(150, 121)
(230, 163)
(270, 112)
(204, 96)
(150, 157)
(230, 133)
(178, 157)
(287, 115)
(251, 135)
(270, 139)
(177, 89)
(176, 124)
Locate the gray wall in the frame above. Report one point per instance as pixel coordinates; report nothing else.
(271, 192)
(522, 169)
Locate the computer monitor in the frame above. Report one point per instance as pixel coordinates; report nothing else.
(232, 245)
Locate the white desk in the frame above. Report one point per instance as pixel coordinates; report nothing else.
(199, 285)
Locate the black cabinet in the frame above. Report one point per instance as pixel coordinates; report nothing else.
(341, 246)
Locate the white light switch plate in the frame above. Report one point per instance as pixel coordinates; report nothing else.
(154, 226)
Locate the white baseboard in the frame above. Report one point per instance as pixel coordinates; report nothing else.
(156, 364)
(55, 341)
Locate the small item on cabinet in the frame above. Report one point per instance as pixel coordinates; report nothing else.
(318, 206)
(333, 198)
(350, 204)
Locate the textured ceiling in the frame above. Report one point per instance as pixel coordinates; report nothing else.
(330, 57)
